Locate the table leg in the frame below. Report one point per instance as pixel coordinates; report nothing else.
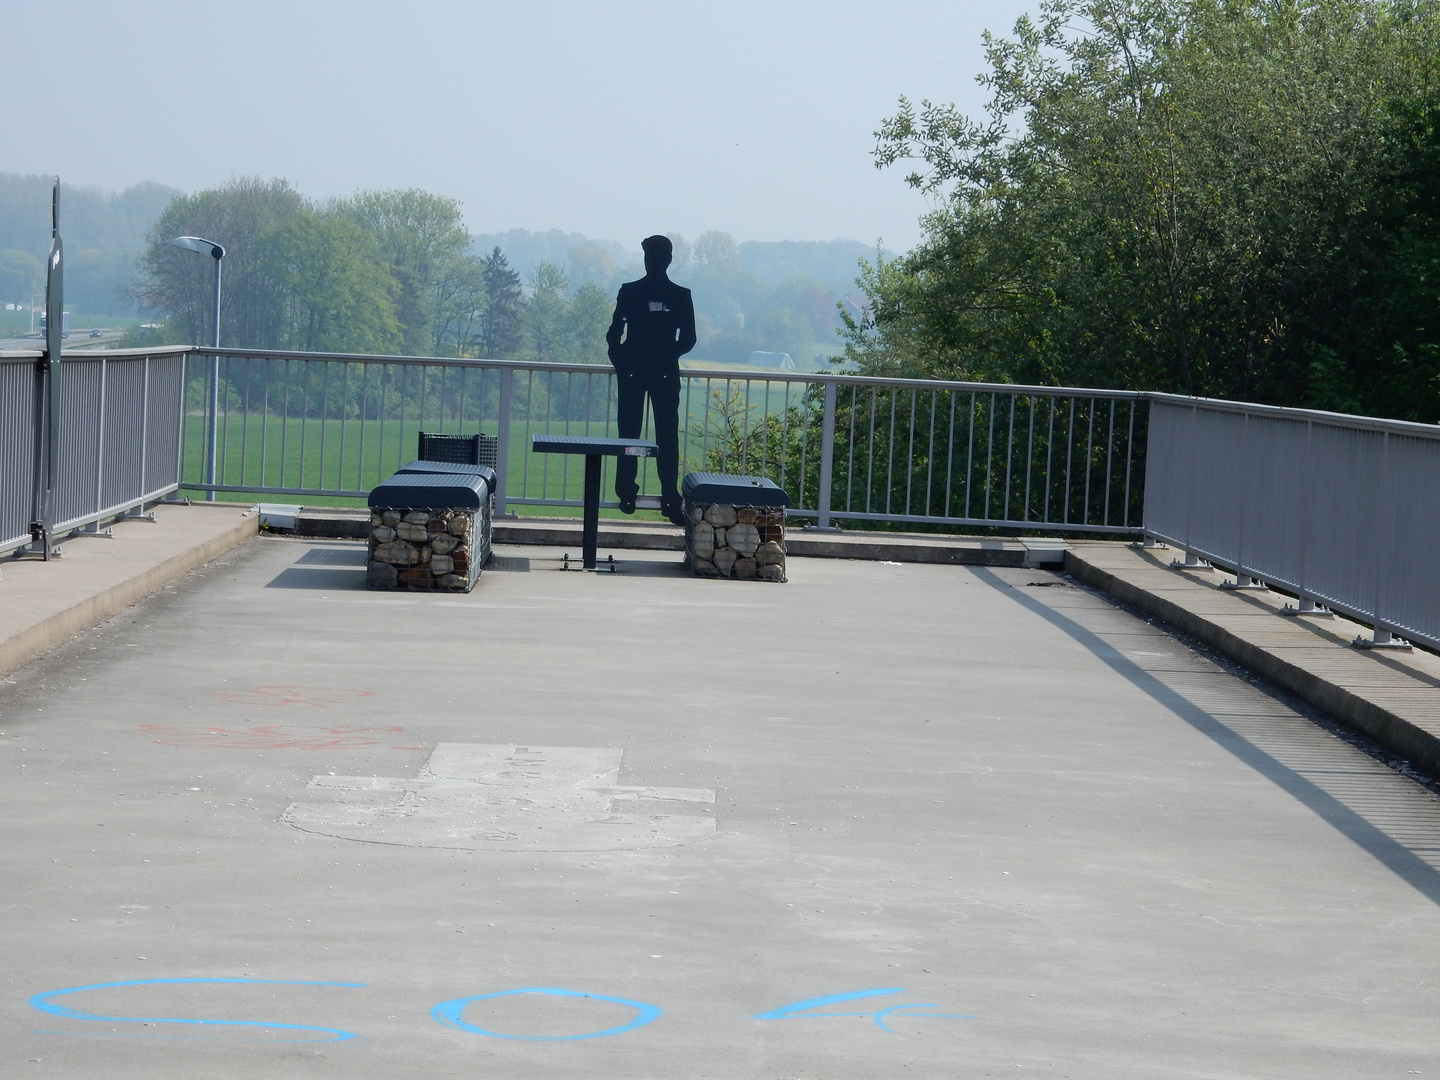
(590, 536)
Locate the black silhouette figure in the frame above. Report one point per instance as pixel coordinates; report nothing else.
(654, 325)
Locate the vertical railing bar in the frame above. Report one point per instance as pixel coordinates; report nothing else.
(1049, 460)
(1009, 458)
(245, 422)
(100, 441)
(1089, 456)
(1109, 457)
(970, 453)
(1069, 456)
(910, 449)
(364, 399)
(1029, 452)
(285, 421)
(344, 402)
(1129, 459)
(850, 449)
(990, 458)
(930, 457)
(950, 457)
(870, 451)
(890, 455)
(222, 465)
(324, 417)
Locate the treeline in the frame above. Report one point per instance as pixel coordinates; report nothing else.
(102, 231)
(1217, 197)
(396, 272)
(380, 272)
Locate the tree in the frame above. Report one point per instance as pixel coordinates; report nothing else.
(543, 317)
(422, 238)
(234, 215)
(501, 299)
(21, 275)
(587, 317)
(332, 294)
(1191, 195)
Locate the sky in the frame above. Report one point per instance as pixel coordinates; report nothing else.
(615, 119)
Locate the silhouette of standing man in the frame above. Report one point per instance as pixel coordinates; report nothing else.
(654, 325)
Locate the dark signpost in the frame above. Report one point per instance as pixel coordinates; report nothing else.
(47, 393)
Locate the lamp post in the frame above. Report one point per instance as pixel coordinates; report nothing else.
(212, 418)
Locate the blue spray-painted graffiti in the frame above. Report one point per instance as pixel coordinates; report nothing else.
(449, 1013)
(794, 1012)
(46, 1003)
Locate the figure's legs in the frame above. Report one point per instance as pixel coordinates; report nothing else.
(665, 407)
(629, 418)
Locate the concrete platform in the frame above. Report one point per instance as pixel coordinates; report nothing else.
(882, 821)
(1391, 696)
(44, 603)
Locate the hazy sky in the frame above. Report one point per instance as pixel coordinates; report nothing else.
(613, 119)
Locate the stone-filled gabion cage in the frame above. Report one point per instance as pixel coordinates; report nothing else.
(734, 527)
(429, 533)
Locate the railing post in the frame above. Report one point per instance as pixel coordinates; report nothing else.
(502, 449)
(827, 460)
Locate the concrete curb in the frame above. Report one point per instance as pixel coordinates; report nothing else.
(1390, 729)
(36, 640)
(352, 524)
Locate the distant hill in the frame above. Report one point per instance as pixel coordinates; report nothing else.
(830, 261)
(103, 232)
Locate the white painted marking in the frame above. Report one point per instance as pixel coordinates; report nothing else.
(506, 798)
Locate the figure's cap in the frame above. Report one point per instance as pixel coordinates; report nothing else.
(658, 245)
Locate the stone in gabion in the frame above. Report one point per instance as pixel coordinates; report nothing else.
(720, 515)
(424, 549)
(745, 543)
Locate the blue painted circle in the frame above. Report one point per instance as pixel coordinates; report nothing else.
(450, 1014)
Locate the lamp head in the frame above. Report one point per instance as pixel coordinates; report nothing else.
(198, 244)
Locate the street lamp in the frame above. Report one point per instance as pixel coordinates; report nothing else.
(216, 252)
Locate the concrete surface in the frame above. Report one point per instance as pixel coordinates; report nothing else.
(1391, 696)
(43, 604)
(967, 821)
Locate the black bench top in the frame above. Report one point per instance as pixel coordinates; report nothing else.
(451, 468)
(708, 487)
(432, 491)
(590, 444)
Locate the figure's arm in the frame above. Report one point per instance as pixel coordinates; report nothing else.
(617, 327)
(686, 340)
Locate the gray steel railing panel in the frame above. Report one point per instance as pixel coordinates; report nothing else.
(119, 444)
(1337, 509)
(17, 448)
(305, 424)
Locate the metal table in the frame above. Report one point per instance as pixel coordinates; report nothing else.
(594, 449)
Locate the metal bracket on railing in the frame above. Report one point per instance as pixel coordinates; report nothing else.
(1382, 639)
(1245, 582)
(1192, 562)
(93, 529)
(1308, 607)
(1149, 544)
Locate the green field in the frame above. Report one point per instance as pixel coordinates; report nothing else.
(265, 451)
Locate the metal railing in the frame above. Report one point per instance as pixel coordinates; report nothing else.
(1339, 510)
(119, 436)
(845, 448)
(1342, 511)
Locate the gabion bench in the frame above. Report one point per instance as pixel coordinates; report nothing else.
(430, 531)
(734, 526)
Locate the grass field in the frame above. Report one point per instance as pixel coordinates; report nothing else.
(256, 452)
